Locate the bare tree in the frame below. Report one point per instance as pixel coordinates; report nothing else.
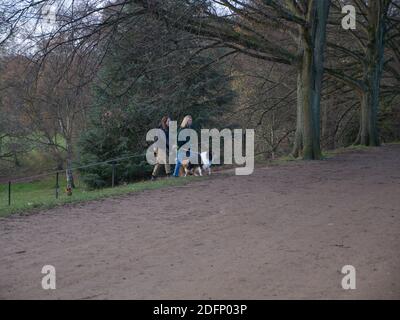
(363, 54)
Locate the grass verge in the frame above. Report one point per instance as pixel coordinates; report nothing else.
(31, 196)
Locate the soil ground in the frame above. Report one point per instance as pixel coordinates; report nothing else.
(284, 232)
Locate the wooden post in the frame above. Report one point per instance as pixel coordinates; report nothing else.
(57, 185)
(113, 175)
(9, 193)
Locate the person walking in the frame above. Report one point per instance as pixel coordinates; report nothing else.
(181, 154)
(161, 154)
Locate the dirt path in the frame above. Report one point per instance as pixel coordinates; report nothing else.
(283, 232)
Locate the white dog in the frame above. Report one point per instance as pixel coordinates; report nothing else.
(197, 169)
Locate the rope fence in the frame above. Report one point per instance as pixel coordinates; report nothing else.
(8, 185)
(113, 162)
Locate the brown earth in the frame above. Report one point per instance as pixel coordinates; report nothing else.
(283, 232)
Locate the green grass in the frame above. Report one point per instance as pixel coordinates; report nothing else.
(332, 153)
(282, 160)
(28, 197)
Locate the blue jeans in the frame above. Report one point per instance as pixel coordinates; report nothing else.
(180, 156)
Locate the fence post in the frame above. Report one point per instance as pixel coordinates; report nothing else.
(57, 185)
(9, 193)
(113, 175)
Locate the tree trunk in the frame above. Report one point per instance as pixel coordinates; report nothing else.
(373, 65)
(368, 134)
(298, 138)
(311, 149)
(311, 70)
(69, 173)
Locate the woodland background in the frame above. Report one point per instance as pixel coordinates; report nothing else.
(82, 81)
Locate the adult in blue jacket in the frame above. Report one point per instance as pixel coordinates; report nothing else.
(181, 154)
